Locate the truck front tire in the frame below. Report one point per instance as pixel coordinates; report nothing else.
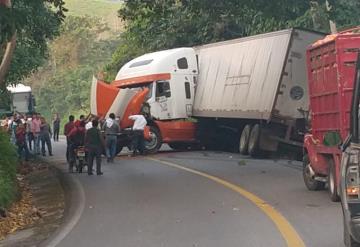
(244, 140)
(153, 145)
(309, 180)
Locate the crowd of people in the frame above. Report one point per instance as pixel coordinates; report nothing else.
(97, 135)
(31, 133)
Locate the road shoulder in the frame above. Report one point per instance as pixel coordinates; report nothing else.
(48, 205)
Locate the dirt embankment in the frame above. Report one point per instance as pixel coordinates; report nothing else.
(39, 210)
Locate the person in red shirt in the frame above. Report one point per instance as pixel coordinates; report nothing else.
(20, 135)
(67, 128)
(76, 139)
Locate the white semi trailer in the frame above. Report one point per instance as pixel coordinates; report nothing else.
(247, 94)
(22, 100)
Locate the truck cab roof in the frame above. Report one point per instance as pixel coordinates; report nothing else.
(152, 66)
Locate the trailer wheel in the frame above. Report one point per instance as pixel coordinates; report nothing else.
(154, 144)
(348, 239)
(244, 139)
(309, 179)
(254, 139)
(332, 186)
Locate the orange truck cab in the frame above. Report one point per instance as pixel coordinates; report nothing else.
(161, 81)
(331, 65)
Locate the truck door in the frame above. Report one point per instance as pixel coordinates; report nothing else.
(161, 108)
(350, 172)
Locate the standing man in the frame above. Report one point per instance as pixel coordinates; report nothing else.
(35, 128)
(67, 128)
(12, 128)
(138, 130)
(94, 143)
(56, 127)
(21, 140)
(82, 118)
(29, 134)
(45, 135)
(111, 128)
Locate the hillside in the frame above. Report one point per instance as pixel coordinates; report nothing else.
(106, 9)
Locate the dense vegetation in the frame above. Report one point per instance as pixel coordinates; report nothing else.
(34, 22)
(63, 85)
(8, 164)
(29, 25)
(162, 24)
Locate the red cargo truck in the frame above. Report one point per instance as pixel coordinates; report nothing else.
(331, 66)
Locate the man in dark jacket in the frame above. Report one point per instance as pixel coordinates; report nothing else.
(45, 137)
(67, 128)
(56, 127)
(94, 143)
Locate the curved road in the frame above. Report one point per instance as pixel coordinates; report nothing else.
(198, 199)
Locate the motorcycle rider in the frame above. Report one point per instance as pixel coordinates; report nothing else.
(67, 129)
(76, 139)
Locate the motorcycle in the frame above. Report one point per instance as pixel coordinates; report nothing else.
(80, 158)
(77, 158)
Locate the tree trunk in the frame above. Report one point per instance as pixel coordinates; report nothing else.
(332, 24)
(9, 51)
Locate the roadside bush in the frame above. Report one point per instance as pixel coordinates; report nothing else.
(8, 165)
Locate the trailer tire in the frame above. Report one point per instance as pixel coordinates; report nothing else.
(254, 139)
(244, 139)
(348, 239)
(332, 186)
(309, 181)
(155, 143)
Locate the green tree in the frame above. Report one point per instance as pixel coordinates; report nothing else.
(163, 24)
(62, 86)
(31, 24)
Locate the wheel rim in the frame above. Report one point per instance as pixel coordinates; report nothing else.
(308, 176)
(331, 182)
(244, 139)
(153, 142)
(242, 142)
(252, 141)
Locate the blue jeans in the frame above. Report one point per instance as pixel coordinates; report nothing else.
(23, 148)
(111, 142)
(37, 140)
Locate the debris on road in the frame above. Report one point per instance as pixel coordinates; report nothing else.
(242, 163)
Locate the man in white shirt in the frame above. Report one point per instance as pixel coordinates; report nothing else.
(29, 134)
(89, 125)
(138, 133)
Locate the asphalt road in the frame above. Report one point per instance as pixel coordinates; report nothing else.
(222, 200)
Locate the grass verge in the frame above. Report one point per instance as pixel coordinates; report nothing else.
(8, 166)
